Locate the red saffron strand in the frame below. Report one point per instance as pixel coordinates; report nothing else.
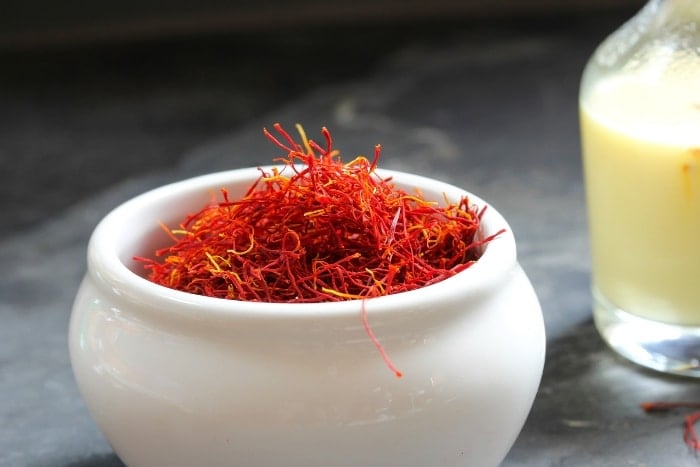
(666, 406)
(377, 344)
(690, 436)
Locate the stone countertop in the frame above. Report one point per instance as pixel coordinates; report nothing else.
(490, 107)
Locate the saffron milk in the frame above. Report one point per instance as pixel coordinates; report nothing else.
(641, 157)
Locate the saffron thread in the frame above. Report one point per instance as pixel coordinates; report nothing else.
(690, 436)
(377, 344)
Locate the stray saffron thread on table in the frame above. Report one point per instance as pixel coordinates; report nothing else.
(690, 436)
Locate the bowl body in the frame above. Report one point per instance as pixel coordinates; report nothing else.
(175, 379)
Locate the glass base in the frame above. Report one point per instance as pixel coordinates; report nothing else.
(663, 347)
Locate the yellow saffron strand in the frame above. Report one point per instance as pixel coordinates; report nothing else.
(336, 293)
(304, 139)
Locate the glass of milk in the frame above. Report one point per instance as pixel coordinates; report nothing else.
(640, 132)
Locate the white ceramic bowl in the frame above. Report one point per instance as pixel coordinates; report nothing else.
(175, 379)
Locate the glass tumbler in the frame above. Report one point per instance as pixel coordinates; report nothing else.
(640, 133)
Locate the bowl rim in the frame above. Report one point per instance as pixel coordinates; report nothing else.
(107, 267)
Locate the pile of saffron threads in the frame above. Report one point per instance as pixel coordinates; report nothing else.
(323, 231)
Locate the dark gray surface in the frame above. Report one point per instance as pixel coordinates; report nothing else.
(492, 109)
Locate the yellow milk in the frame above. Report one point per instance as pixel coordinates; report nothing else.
(641, 154)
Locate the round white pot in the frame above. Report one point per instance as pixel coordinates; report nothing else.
(175, 379)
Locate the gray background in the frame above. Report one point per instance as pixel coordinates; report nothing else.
(478, 98)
